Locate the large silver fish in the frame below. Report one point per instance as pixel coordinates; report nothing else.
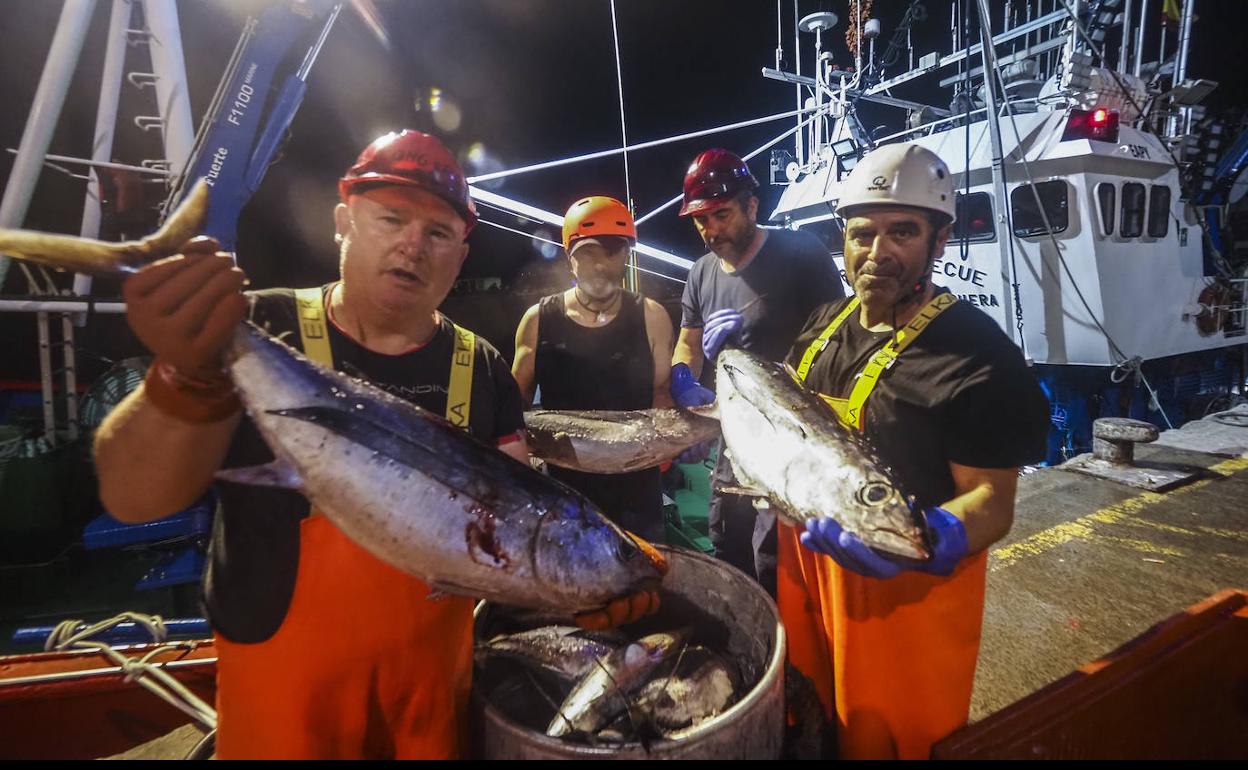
(615, 441)
(85, 255)
(786, 445)
(423, 495)
(603, 692)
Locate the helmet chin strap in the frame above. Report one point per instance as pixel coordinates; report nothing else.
(919, 286)
(916, 290)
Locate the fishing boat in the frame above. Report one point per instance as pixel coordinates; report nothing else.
(1096, 213)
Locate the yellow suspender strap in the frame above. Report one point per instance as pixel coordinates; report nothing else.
(821, 342)
(315, 336)
(313, 332)
(885, 356)
(459, 391)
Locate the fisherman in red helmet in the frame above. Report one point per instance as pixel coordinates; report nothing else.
(599, 346)
(753, 290)
(323, 650)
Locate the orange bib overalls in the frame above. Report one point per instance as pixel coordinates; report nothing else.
(365, 664)
(892, 660)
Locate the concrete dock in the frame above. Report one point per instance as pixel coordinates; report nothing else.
(1091, 563)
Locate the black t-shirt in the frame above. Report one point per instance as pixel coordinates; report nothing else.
(961, 392)
(254, 554)
(792, 273)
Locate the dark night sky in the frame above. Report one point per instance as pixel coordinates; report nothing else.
(535, 80)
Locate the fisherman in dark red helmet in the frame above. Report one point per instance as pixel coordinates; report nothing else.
(323, 650)
(753, 290)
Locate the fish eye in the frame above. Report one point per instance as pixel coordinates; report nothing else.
(875, 493)
(626, 549)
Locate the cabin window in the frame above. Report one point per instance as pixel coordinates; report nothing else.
(1027, 217)
(1158, 211)
(974, 218)
(1133, 195)
(829, 232)
(1107, 206)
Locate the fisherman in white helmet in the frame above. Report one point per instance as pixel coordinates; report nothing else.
(948, 402)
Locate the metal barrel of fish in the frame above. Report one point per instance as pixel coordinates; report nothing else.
(743, 620)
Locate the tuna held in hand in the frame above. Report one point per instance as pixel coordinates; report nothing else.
(787, 447)
(424, 496)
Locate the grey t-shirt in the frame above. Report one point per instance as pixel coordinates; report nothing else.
(791, 275)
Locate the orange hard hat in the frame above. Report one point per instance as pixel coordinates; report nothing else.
(412, 159)
(595, 216)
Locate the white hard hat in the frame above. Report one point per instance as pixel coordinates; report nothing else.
(900, 175)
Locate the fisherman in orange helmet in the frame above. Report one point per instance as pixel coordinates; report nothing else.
(947, 400)
(599, 346)
(324, 651)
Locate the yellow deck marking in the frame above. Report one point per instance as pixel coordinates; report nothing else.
(1085, 527)
(1194, 531)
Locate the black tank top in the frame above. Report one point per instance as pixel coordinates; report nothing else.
(603, 367)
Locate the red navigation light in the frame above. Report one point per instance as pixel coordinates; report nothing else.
(1099, 125)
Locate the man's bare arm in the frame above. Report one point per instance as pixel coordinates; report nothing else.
(689, 349)
(524, 366)
(150, 464)
(984, 503)
(157, 451)
(659, 332)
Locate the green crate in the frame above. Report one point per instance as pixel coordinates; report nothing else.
(698, 476)
(687, 522)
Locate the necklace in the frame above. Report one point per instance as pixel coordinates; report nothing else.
(601, 316)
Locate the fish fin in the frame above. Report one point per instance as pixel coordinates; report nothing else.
(275, 474)
(744, 491)
(710, 410)
(184, 223)
(444, 590)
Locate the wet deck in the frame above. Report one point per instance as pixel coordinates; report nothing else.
(1090, 564)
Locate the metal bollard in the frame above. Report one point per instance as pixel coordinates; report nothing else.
(1114, 438)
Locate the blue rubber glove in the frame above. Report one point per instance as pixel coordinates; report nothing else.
(947, 533)
(686, 390)
(948, 536)
(720, 327)
(825, 535)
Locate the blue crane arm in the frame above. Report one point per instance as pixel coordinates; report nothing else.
(248, 121)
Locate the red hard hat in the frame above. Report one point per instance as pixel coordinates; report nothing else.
(715, 178)
(594, 216)
(412, 159)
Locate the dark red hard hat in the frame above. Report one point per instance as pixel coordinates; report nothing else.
(715, 177)
(412, 159)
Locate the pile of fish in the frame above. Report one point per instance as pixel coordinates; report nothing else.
(603, 687)
(406, 485)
